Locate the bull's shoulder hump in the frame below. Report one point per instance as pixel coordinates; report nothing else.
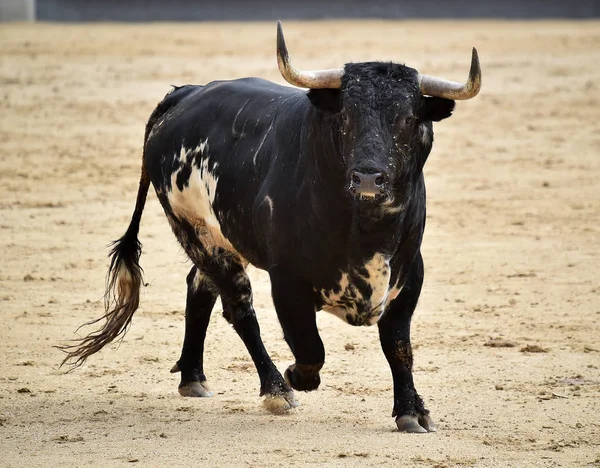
(257, 88)
(244, 107)
(226, 96)
(177, 94)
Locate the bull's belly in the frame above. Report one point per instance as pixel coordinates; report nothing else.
(362, 294)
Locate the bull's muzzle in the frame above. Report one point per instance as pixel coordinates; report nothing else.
(371, 185)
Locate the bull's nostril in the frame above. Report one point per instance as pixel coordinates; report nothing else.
(355, 178)
(379, 180)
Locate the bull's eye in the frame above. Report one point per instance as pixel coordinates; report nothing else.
(410, 120)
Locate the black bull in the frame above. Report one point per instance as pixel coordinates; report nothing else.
(322, 189)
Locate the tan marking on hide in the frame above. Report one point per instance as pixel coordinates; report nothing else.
(404, 353)
(378, 268)
(194, 204)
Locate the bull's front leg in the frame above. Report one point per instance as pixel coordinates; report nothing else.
(394, 333)
(294, 303)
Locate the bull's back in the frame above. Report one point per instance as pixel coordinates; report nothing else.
(232, 115)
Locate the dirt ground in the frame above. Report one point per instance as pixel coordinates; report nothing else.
(511, 253)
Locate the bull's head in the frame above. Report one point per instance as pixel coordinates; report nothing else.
(384, 114)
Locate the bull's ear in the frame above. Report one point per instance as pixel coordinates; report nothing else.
(436, 109)
(328, 100)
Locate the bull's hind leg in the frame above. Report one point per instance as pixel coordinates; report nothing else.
(225, 270)
(236, 295)
(201, 296)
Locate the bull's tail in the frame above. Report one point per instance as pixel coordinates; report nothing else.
(124, 277)
(123, 282)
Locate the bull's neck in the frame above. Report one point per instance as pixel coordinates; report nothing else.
(324, 140)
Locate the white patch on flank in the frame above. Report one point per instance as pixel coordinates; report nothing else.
(365, 311)
(196, 199)
(195, 202)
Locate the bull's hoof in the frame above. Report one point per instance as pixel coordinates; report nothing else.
(415, 424)
(303, 377)
(280, 403)
(195, 389)
(426, 422)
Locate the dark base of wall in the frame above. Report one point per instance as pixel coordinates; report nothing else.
(214, 10)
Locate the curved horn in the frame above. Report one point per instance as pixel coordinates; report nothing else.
(304, 79)
(451, 90)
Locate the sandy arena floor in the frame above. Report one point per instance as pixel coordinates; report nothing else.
(511, 253)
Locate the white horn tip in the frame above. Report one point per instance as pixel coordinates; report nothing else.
(475, 74)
